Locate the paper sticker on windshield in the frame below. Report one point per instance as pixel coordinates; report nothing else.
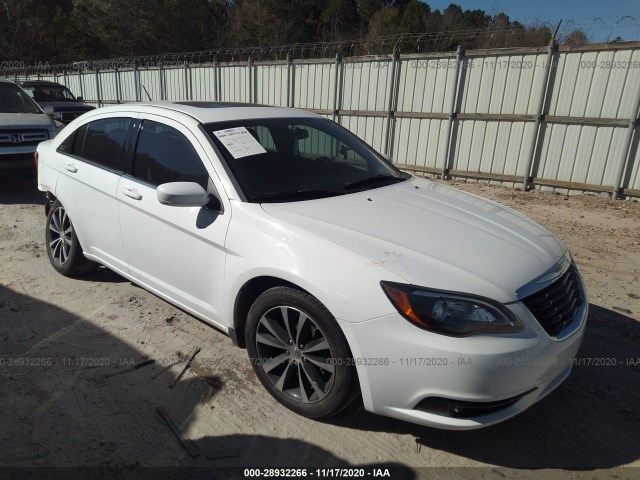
(239, 142)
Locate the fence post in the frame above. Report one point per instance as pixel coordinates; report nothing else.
(293, 85)
(251, 81)
(215, 80)
(633, 122)
(66, 80)
(393, 102)
(81, 81)
(118, 87)
(161, 80)
(186, 82)
(337, 88)
(219, 83)
(553, 48)
(289, 68)
(136, 78)
(449, 140)
(98, 93)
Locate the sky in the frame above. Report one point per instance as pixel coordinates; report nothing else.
(582, 12)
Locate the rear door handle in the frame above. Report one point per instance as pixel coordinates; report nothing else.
(70, 167)
(131, 193)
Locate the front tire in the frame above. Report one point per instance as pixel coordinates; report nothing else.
(299, 353)
(63, 248)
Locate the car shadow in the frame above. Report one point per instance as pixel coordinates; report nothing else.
(20, 187)
(590, 422)
(70, 397)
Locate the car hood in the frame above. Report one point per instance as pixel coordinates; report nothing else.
(25, 120)
(433, 235)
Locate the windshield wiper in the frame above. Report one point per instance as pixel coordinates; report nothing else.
(378, 180)
(302, 194)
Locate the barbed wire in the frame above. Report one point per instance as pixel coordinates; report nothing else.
(537, 35)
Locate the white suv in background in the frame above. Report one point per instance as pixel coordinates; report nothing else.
(23, 125)
(340, 274)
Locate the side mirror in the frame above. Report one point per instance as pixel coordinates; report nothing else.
(300, 133)
(80, 99)
(48, 109)
(182, 194)
(387, 158)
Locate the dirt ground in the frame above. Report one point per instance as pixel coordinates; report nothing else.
(61, 338)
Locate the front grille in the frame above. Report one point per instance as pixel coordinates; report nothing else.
(23, 137)
(556, 305)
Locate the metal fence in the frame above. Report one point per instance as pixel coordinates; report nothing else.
(560, 117)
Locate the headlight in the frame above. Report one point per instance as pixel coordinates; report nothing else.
(450, 313)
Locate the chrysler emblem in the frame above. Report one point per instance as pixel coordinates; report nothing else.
(16, 137)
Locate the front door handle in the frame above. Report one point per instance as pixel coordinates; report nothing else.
(70, 167)
(131, 193)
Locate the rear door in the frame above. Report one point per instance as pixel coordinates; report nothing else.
(178, 252)
(91, 163)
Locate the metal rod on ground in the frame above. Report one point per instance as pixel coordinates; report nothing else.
(553, 48)
(192, 355)
(633, 122)
(132, 368)
(185, 441)
(452, 112)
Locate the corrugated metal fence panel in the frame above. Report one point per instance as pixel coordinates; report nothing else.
(234, 83)
(108, 87)
(492, 147)
(73, 84)
(595, 84)
(150, 84)
(502, 84)
(176, 86)
(271, 84)
(128, 85)
(425, 84)
(313, 85)
(585, 154)
(203, 82)
(366, 85)
(370, 129)
(419, 142)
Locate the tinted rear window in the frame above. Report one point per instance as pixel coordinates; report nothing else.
(104, 142)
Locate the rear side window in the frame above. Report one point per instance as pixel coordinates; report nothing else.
(73, 143)
(164, 155)
(103, 142)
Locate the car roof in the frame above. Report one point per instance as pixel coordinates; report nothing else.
(209, 112)
(40, 82)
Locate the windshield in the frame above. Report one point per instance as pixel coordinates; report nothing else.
(289, 159)
(14, 100)
(50, 93)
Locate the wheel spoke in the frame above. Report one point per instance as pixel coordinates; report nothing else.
(301, 321)
(275, 329)
(65, 251)
(316, 382)
(316, 345)
(322, 364)
(53, 227)
(285, 317)
(270, 340)
(283, 377)
(303, 392)
(274, 362)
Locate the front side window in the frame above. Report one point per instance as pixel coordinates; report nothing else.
(289, 159)
(15, 100)
(102, 142)
(165, 155)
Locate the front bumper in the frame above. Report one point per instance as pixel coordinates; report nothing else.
(19, 157)
(400, 366)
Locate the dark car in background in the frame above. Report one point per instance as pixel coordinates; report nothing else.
(56, 99)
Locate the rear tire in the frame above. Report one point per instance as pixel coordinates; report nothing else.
(299, 353)
(63, 248)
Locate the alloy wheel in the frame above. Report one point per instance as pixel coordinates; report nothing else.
(60, 236)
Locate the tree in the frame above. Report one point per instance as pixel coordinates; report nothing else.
(576, 37)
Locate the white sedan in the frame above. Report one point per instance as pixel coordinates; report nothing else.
(341, 275)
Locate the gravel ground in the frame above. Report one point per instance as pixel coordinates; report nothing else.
(64, 409)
